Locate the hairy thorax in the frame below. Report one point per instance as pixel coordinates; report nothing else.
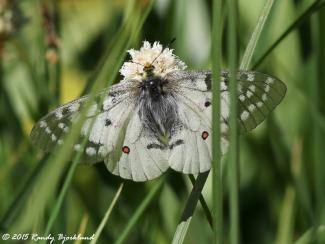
(158, 107)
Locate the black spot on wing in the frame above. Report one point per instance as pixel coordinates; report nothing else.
(163, 147)
(207, 103)
(66, 111)
(175, 144)
(108, 122)
(208, 80)
(155, 146)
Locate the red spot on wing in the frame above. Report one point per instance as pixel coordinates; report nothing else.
(126, 149)
(205, 135)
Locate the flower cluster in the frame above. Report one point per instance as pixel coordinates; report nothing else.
(162, 59)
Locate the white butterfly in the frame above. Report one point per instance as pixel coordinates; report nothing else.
(158, 116)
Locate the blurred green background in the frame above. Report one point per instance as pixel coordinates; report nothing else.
(53, 51)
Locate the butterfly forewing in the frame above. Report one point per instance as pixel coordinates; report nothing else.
(51, 129)
(104, 117)
(258, 95)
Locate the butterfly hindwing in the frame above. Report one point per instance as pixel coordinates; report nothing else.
(139, 156)
(191, 153)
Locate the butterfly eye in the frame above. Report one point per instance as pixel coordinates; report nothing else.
(153, 86)
(148, 68)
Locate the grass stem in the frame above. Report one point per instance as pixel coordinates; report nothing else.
(217, 185)
(140, 210)
(107, 214)
(233, 145)
(248, 54)
(191, 203)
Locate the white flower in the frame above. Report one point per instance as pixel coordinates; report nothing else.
(162, 60)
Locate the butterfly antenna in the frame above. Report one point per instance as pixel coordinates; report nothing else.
(135, 62)
(170, 43)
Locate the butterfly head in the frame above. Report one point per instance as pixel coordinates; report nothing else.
(153, 87)
(152, 60)
(148, 69)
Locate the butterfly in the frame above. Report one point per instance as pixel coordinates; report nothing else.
(158, 116)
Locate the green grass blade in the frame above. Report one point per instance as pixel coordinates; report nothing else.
(12, 210)
(301, 17)
(317, 135)
(191, 203)
(249, 51)
(140, 210)
(68, 180)
(298, 169)
(75, 162)
(233, 178)
(315, 113)
(56, 164)
(53, 52)
(107, 214)
(286, 220)
(57, 161)
(217, 185)
(311, 235)
(204, 205)
(62, 195)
